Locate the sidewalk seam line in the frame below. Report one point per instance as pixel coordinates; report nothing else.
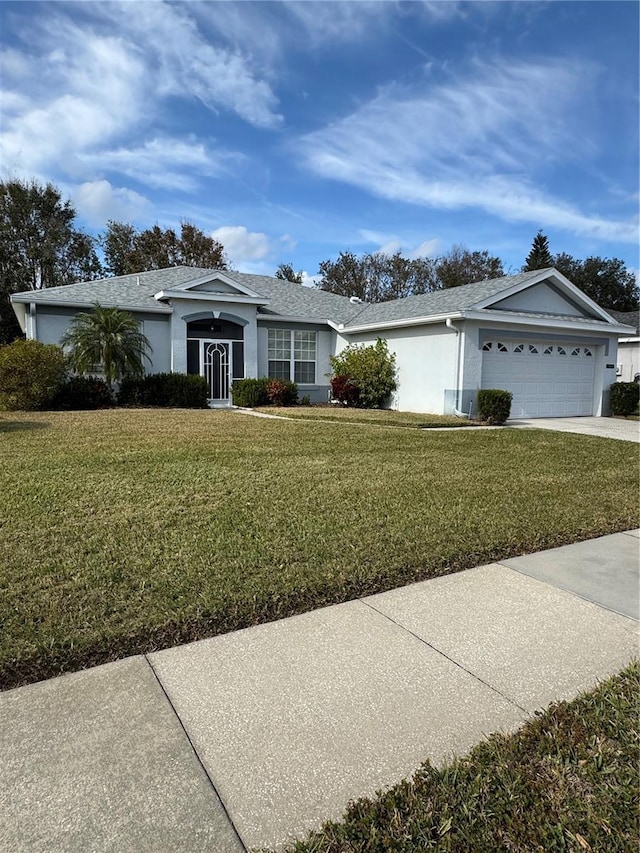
(455, 662)
(198, 759)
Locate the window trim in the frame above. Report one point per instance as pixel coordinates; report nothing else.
(292, 350)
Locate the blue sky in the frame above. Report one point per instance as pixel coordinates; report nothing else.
(293, 131)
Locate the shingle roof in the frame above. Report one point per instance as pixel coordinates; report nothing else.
(137, 292)
(130, 291)
(627, 318)
(442, 301)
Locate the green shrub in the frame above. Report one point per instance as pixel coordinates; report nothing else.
(82, 392)
(306, 400)
(30, 374)
(166, 390)
(249, 393)
(370, 369)
(282, 392)
(494, 405)
(624, 398)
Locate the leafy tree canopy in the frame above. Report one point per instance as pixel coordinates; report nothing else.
(39, 245)
(462, 266)
(286, 272)
(539, 257)
(605, 280)
(106, 339)
(379, 277)
(127, 250)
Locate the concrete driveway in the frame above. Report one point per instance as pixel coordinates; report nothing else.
(604, 427)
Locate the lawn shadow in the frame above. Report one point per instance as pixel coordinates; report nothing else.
(16, 426)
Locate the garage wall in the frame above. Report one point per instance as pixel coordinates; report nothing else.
(605, 348)
(426, 364)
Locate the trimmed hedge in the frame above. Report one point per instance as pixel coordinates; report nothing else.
(30, 374)
(624, 398)
(166, 390)
(494, 405)
(83, 392)
(249, 393)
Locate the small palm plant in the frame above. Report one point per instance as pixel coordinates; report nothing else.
(108, 339)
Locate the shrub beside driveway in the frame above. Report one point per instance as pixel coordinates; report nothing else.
(128, 531)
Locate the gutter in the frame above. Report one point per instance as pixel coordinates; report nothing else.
(395, 324)
(57, 303)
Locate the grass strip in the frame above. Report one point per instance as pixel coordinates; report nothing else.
(123, 532)
(383, 417)
(568, 780)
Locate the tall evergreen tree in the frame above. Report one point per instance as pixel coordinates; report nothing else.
(539, 257)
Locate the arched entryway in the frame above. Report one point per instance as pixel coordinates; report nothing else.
(215, 350)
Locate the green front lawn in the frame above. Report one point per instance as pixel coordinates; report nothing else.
(384, 417)
(567, 781)
(123, 531)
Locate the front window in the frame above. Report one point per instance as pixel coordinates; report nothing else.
(283, 344)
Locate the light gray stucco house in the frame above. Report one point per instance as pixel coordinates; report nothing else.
(534, 334)
(628, 366)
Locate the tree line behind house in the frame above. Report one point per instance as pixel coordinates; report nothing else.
(42, 246)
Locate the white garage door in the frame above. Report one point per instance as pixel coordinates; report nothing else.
(546, 380)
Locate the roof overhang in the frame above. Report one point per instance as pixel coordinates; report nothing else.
(397, 324)
(291, 318)
(486, 315)
(559, 281)
(208, 296)
(27, 299)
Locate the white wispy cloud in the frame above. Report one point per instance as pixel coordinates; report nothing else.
(83, 96)
(391, 243)
(480, 141)
(183, 63)
(163, 162)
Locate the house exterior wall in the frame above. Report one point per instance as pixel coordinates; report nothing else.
(51, 322)
(628, 359)
(478, 332)
(244, 314)
(542, 298)
(325, 344)
(426, 365)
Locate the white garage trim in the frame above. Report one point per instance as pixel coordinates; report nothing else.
(547, 379)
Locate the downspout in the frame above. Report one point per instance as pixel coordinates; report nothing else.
(456, 407)
(32, 322)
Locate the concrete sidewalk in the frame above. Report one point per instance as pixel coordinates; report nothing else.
(251, 738)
